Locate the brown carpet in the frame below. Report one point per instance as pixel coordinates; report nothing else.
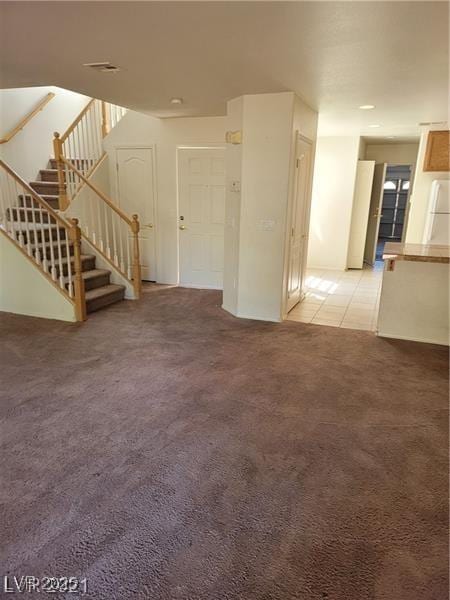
(166, 450)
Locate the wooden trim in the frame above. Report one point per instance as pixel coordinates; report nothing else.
(89, 174)
(66, 134)
(105, 120)
(33, 262)
(79, 292)
(28, 118)
(62, 192)
(34, 195)
(94, 188)
(136, 265)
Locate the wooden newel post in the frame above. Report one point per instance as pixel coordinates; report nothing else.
(105, 123)
(80, 300)
(136, 266)
(58, 151)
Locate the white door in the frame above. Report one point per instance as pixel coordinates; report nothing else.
(360, 213)
(201, 216)
(298, 243)
(135, 185)
(376, 203)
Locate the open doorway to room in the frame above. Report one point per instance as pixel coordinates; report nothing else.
(388, 209)
(360, 201)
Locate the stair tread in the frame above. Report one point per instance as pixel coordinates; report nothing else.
(95, 273)
(44, 183)
(105, 290)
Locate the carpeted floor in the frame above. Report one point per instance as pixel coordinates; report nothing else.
(166, 450)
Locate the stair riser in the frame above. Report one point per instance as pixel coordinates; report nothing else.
(27, 215)
(86, 265)
(57, 251)
(96, 282)
(42, 234)
(49, 188)
(30, 202)
(80, 163)
(49, 175)
(98, 303)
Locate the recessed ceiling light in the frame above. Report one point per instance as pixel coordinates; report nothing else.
(176, 101)
(367, 106)
(375, 125)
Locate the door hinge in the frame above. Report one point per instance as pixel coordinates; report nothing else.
(297, 163)
(117, 166)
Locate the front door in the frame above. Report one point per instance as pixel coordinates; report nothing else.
(136, 195)
(299, 221)
(201, 216)
(376, 203)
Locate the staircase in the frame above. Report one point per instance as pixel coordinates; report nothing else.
(99, 291)
(62, 222)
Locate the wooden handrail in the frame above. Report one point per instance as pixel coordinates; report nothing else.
(34, 195)
(94, 188)
(28, 118)
(66, 134)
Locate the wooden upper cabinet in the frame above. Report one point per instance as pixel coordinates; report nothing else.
(437, 155)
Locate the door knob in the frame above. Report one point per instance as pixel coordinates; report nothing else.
(182, 227)
(149, 225)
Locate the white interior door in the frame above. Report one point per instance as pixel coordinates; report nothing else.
(298, 243)
(360, 213)
(376, 203)
(135, 185)
(201, 216)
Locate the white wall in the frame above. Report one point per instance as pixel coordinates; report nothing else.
(304, 122)
(233, 158)
(25, 290)
(332, 201)
(165, 135)
(393, 154)
(268, 123)
(420, 194)
(32, 147)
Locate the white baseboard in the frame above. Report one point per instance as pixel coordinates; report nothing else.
(394, 336)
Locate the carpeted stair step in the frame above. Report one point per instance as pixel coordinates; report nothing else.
(46, 232)
(96, 278)
(27, 215)
(52, 201)
(87, 264)
(49, 174)
(53, 248)
(80, 163)
(103, 296)
(45, 187)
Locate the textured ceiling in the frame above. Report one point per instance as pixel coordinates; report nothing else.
(335, 55)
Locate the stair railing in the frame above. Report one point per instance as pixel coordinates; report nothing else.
(37, 109)
(43, 236)
(113, 233)
(82, 145)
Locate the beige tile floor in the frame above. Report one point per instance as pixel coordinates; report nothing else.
(347, 299)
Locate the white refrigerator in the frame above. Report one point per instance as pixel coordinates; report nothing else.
(437, 226)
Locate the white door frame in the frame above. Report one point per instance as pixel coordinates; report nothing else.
(187, 147)
(293, 192)
(151, 147)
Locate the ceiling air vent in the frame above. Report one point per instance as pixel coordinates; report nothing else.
(432, 123)
(103, 67)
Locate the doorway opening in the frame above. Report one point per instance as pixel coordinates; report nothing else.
(396, 190)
